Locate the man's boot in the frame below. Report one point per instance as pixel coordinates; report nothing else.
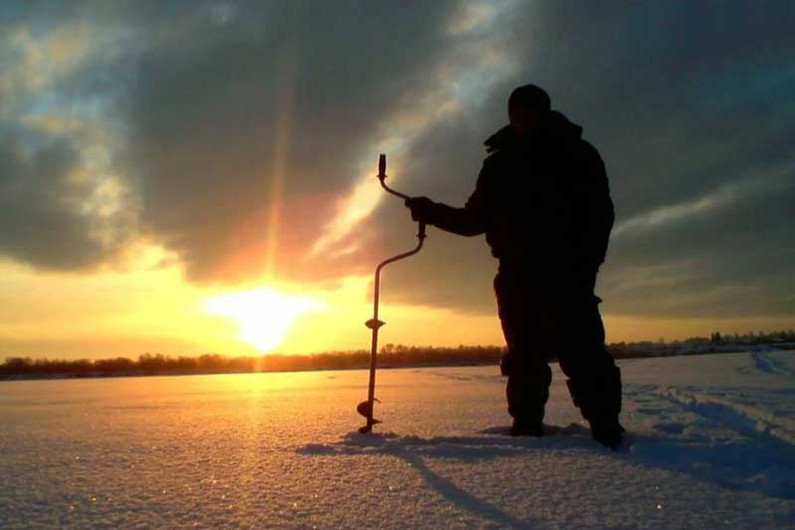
(527, 394)
(524, 427)
(599, 400)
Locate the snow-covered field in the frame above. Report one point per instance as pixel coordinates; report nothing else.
(711, 444)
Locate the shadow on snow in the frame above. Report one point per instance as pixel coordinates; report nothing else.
(739, 465)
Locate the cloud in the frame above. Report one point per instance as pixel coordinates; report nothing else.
(271, 110)
(242, 137)
(40, 222)
(63, 207)
(732, 259)
(686, 211)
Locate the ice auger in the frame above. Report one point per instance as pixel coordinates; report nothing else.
(365, 408)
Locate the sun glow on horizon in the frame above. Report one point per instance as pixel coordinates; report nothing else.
(262, 315)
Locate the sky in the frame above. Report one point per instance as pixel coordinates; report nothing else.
(188, 176)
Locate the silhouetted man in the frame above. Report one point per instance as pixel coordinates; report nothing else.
(543, 201)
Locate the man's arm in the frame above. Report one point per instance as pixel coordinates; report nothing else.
(461, 221)
(467, 221)
(599, 213)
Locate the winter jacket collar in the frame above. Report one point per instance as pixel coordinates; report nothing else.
(558, 128)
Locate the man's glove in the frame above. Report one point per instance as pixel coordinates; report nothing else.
(422, 209)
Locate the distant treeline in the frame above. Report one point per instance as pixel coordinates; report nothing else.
(158, 364)
(390, 356)
(716, 343)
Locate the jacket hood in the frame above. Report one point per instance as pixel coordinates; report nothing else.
(557, 128)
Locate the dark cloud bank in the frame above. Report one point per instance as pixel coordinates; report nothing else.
(690, 105)
(39, 223)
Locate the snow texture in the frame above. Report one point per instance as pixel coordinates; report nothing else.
(710, 445)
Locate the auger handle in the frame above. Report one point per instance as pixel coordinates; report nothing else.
(421, 234)
(382, 178)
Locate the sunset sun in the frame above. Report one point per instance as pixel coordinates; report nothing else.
(263, 316)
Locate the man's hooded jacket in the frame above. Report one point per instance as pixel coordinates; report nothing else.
(542, 200)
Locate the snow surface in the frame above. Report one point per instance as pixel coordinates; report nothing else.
(710, 445)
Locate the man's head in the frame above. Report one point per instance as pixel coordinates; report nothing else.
(528, 106)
